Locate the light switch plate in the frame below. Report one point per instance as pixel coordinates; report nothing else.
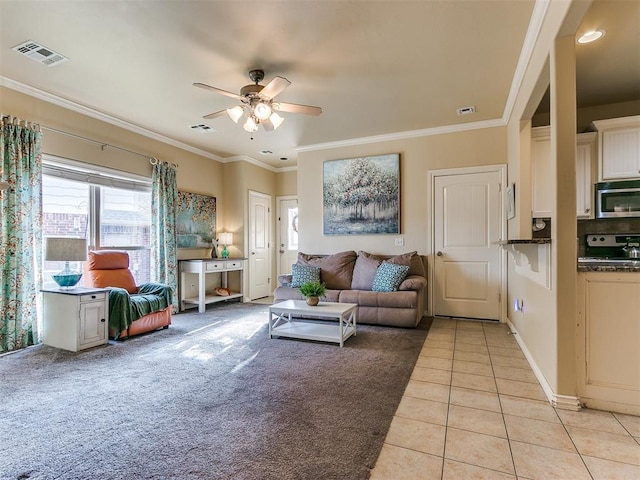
(399, 241)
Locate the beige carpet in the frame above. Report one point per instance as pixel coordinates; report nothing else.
(210, 398)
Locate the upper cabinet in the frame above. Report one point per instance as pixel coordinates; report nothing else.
(541, 169)
(585, 162)
(619, 148)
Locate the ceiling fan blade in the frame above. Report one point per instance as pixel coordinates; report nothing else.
(274, 87)
(267, 125)
(296, 108)
(215, 114)
(217, 90)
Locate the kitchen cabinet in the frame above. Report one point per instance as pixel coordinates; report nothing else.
(75, 319)
(198, 295)
(618, 148)
(541, 194)
(608, 333)
(585, 162)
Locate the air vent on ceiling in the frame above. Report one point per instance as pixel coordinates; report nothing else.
(202, 128)
(466, 110)
(39, 53)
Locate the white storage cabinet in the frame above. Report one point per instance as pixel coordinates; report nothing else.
(76, 319)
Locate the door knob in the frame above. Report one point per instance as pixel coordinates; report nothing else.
(253, 253)
(281, 251)
(439, 254)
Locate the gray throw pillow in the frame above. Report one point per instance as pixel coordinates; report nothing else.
(304, 273)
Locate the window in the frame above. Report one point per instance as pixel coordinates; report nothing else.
(108, 208)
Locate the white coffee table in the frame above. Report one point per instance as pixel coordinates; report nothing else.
(285, 321)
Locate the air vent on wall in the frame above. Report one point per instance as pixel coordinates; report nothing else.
(39, 53)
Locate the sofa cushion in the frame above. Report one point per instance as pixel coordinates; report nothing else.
(121, 278)
(336, 270)
(364, 271)
(412, 259)
(389, 277)
(303, 273)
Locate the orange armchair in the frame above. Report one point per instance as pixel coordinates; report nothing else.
(132, 309)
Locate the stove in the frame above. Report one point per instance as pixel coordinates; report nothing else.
(607, 248)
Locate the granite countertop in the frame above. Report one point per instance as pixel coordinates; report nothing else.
(584, 265)
(533, 241)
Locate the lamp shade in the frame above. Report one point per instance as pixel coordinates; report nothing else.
(226, 238)
(64, 249)
(235, 113)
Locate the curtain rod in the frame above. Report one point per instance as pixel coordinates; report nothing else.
(103, 145)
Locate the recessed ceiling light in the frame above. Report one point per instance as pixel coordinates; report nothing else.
(590, 36)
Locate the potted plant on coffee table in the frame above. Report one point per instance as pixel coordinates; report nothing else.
(312, 290)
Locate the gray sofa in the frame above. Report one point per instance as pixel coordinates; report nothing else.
(349, 277)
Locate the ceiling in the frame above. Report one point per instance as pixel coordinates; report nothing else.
(375, 68)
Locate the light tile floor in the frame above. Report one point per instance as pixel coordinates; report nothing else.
(473, 409)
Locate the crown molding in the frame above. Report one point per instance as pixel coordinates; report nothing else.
(89, 112)
(387, 137)
(78, 108)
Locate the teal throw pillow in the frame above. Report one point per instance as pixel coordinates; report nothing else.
(304, 273)
(389, 277)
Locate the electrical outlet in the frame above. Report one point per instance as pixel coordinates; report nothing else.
(399, 241)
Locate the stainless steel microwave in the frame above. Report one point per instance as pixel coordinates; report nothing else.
(618, 199)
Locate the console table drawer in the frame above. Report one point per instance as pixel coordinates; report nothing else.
(233, 264)
(212, 266)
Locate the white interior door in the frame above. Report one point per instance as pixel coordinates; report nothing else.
(259, 247)
(466, 226)
(287, 234)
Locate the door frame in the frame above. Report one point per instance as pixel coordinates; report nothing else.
(278, 229)
(247, 242)
(431, 178)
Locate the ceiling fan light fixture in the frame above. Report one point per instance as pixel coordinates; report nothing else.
(590, 36)
(276, 120)
(262, 110)
(250, 125)
(235, 113)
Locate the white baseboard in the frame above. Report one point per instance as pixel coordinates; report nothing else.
(563, 402)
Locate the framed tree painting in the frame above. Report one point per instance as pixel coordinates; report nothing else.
(195, 220)
(361, 196)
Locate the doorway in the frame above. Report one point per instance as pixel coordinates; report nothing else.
(287, 212)
(467, 263)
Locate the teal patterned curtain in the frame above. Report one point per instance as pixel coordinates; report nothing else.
(20, 233)
(164, 252)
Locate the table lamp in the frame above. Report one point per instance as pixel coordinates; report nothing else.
(64, 249)
(225, 239)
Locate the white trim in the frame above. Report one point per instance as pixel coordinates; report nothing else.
(387, 137)
(563, 402)
(431, 175)
(90, 112)
(533, 32)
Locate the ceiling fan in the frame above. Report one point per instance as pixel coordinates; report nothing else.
(258, 103)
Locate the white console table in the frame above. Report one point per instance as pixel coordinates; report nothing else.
(202, 268)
